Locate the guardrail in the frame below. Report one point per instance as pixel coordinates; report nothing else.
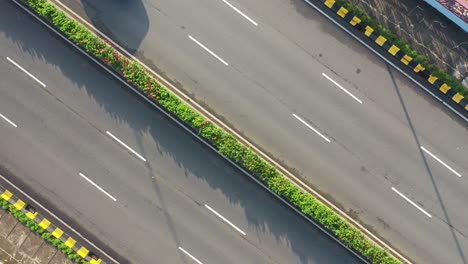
(450, 12)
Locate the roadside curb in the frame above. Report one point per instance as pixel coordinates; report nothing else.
(435, 87)
(85, 254)
(292, 179)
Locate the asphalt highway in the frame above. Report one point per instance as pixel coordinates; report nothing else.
(126, 174)
(319, 102)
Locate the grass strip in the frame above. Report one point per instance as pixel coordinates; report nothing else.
(227, 144)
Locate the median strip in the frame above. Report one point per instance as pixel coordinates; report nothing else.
(134, 75)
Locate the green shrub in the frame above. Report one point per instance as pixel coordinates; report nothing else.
(34, 227)
(420, 58)
(227, 144)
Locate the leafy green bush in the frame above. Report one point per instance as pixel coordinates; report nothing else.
(34, 227)
(420, 58)
(227, 144)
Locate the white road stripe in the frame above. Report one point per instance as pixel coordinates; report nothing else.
(8, 120)
(190, 255)
(441, 162)
(225, 220)
(98, 187)
(125, 145)
(58, 219)
(181, 95)
(25, 71)
(313, 129)
(341, 87)
(240, 12)
(208, 50)
(411, 202)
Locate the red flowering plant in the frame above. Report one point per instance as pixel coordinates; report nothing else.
(228, 145)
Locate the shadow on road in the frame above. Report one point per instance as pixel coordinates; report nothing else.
(428, 169)
(127, 17)
(340, 36)
(172, 142)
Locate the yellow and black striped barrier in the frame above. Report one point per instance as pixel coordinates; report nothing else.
(47, 225)
(396, 52)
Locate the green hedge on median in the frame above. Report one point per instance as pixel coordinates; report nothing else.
(34, 227)
(227, 144)
(418, 57)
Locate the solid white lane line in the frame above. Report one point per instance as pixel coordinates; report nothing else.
(341, 87)
(125, 145)
(45, 209)
(208, 50)
(98, 187)
(190, 255)
(182, 95)
(240, 12)
(313, 129)
(411, 202)
(441, 162)
(8, 120)
(25, 71)
(225, 220)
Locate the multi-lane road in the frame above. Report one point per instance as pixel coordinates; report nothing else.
(91, 150)
(319, 102)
